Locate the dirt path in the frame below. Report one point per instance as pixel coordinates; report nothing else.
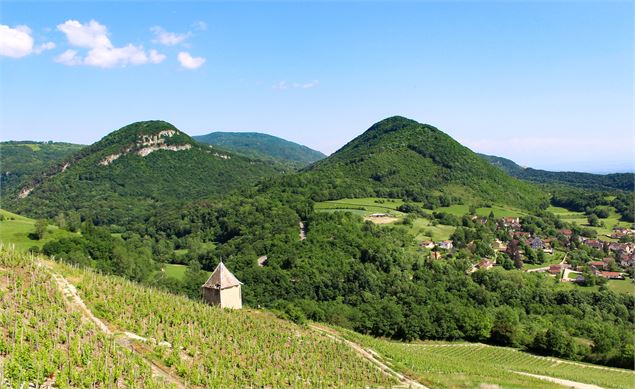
(371, 356)
(559, 381)
(123, 339)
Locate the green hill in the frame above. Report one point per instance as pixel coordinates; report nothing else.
(130, 336)
(621, 181)
(399, 157)
(132, 171)
(22, 158)
(263, 146)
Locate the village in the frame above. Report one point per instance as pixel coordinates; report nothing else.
(584, 261)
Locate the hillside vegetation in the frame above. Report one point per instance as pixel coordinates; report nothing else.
(398, 157)
(470, 365)
(196, 344)
(263, 146)
(131, 171)
(620, 181)
(23, 158)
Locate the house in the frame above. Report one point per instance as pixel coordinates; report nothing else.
(445, 244)
(379, 215)
(611, 275)
(594, 244)
(427, 244)
(485, 264)
(580, 279)
(435, 255)
(512, 222)
(555, 269)
(521, 235)
(262, 260)
(223, 289)
(567, 233)
(537, 244)
(597, 264)
(627, 260)
(499, 245)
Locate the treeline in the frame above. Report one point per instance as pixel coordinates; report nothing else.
(590, 202)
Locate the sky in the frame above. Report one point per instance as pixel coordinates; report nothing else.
(547, 84)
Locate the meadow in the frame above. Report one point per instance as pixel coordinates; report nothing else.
(579, 218)
(471, 365)
(15, 230)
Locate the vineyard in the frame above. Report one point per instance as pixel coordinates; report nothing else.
(211, 347)
(43, 341)
(468, 365)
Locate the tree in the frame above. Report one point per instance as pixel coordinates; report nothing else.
(594, 220)
(40, 229)
(194, 278)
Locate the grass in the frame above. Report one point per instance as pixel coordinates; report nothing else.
(362, 206)
(622, 286)
(15, 230)
(499, 211)
(580, 219)
(176, 271)
(471, 365)
(423, 230)
(550, 259)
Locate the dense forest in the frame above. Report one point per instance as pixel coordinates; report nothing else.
(620, 181)
(263, 146)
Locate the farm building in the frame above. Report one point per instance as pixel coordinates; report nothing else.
(223, 289)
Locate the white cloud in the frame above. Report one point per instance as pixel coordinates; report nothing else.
(282, 85)
(102, 53)
(69, 57)
(189, 62)
(15, 42)
(43, 47)
(168, 38)
(156, 57)
(89, 35)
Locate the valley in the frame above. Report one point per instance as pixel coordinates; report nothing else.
(391, 262)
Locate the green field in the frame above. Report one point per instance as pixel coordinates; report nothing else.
(580, 219)
(499, 211)
(15, 230)
(362, 206)
(550, 259)
(472, 365)
(176, 271)
(622, 286)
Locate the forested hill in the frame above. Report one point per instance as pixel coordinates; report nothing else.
(22, 158)
(131, 171)
(621, 181)
(263, 146)
(398, 157)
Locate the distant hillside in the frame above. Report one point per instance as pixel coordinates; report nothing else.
(263, 146)
(622, 181)
(399, 157)
(130, 172)
(19, 159)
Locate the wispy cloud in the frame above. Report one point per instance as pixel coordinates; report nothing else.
(102, 53)
(188, 62)
(168, 38)
(283, 85)
(199, 25)
(17, 42)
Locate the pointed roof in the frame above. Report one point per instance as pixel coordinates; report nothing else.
(221, 278)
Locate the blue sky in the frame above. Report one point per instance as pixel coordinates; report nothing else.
(547, 84)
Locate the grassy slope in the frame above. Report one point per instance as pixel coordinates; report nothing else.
(468, 365)
(421, 228)
(15, 230)
(222, 347)
(42, 337)
(581, 219)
